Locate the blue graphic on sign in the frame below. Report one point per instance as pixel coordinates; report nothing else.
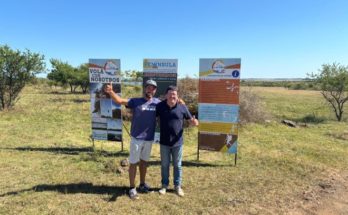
(218, 113)
(235, 73)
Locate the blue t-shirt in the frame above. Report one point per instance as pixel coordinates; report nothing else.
(144, 118)
(171, 123)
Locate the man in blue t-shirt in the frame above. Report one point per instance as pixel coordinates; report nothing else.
(142, 132)
(172, 115)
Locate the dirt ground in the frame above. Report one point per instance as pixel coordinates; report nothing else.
(329, 197)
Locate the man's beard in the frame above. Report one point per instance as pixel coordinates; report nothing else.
(149, 95)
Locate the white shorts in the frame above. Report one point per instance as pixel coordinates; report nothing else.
(139, 149)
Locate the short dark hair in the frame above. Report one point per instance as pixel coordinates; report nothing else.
(172, 88)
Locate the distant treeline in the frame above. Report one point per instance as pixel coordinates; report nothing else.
(305, 84)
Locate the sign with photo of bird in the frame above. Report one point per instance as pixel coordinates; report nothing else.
(106, 114)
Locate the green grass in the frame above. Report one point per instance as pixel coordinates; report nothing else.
(48, 165)
(296, 105)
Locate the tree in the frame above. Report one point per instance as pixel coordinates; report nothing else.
(133, 75)
(333, 82)
(61, 73)
(16, 69)
(82, 76)
(64, 74)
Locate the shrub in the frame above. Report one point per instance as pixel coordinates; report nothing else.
(252, 109)
(188, 91)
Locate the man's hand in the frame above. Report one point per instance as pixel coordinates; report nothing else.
(114, 96)
(194, 121)
(108, 88)
(180, 101)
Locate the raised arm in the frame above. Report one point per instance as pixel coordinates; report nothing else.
(114, 95)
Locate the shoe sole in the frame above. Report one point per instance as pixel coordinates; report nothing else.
(134, 198)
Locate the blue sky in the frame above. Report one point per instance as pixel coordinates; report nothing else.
(274, 39)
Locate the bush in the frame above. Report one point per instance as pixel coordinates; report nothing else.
(312, 118)
(188, 91)
(252, 109)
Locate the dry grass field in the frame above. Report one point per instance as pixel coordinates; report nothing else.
(48, 164)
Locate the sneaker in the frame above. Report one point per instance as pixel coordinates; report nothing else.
(163, 190)
(144, 188)
(133, 194)
(179, 191)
